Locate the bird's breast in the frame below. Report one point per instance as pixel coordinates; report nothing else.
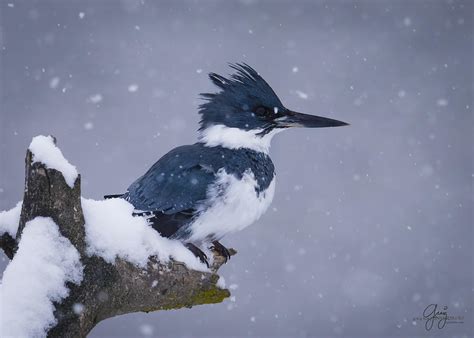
(232, 204)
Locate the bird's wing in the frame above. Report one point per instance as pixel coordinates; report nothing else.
(177, 182)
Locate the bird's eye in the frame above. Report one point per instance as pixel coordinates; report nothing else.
(261, 111)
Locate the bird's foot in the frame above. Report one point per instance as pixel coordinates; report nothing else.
(221, 250)
(198, 253)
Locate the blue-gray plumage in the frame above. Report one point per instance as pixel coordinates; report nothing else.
(194, 166)
(182, 178)
(198, 193)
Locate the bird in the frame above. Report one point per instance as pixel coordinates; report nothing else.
(225, 181)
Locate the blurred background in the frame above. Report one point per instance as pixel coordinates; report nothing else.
(370, 223)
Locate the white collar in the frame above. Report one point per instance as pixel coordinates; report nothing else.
(235, 138)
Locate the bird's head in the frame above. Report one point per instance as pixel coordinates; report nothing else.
(246, 113)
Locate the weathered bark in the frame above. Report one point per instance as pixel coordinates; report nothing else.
(106, 290)
(47, 194)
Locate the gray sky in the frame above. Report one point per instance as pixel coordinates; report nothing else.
(370, 223)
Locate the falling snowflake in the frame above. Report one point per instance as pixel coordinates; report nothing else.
(88, 126)
(133, 88)
(146, 330)
(301, 95)
(78, 308)
(54, 82)
(442, 102)
(96, 98)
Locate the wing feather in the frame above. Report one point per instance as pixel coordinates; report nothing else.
(178, 181)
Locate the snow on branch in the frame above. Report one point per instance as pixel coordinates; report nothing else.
(43, 264)
(76, 262)
(113, 233)
(44, 150)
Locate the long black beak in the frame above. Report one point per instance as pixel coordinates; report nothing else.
(294, 119)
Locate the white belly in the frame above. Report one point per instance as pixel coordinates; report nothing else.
(232, 205)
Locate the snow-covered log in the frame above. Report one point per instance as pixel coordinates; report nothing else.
(75, 262)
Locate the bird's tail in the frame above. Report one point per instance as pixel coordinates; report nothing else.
(113, 196)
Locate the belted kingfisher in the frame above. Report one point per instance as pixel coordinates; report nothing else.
(223, 183)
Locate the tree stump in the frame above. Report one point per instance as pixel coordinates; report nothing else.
(106, 290)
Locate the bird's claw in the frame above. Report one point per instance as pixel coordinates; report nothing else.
(198, 253)
(221, 250)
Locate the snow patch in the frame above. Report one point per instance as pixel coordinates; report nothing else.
(35, 278)
(45, 151)
(10, 219)
(221, 283)
(112, 232)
